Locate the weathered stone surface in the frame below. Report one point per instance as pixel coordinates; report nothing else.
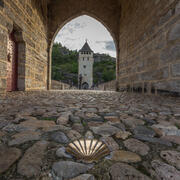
(111, 143)
(153, 140)
(18, 128)
(125, 156)
(177, 9)
(78, 127)
(30, 164)
(8, 156)
(89, 135)
(73, 135)
(173, 139)
(36, 124)
(114, 119)
(175, 70)
(171, 85)
(63, 118)
(119, 125)
(165, 171)
(165, 17)
(105, 130)
(75, 119)
(95, 119)
(132, 122)
(137, 146)
(166, 130)
(1, 134)
(61, 152)
(24, 137)
(59, 137)
(93, 123)
(69, 169)
(121, 171)
(93, 110)
(163, 111)
(56, 128)
(175, 32)
(3, 123)
(149, 121)
(123, 134)
(172, 157)
(84, 177)
(144, 131)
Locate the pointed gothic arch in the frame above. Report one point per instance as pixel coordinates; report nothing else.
(53, 36)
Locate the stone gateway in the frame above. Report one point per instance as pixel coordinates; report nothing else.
(146, 35)
(85, 70)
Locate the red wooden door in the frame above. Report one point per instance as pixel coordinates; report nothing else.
(12, 64)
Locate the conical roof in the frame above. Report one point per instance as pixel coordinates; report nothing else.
(85, 48)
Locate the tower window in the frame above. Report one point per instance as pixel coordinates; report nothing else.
(84, 66)
(88, 58)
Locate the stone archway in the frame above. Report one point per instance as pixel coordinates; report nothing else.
(106, 12)
(115, 40)
(85, 85)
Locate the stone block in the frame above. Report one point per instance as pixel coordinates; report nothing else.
(162, 73)
(21, 84)
(174, 33)
(171, 85)
(3, 37)
(2, 84)
(175, 69)
(170, 54)
(2, 69)
(2, 19)
(177, 9)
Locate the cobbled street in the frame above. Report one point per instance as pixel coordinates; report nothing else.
(142, 133)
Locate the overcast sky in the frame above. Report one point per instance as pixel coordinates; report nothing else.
(74, 34)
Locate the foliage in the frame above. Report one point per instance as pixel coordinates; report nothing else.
(65, 66)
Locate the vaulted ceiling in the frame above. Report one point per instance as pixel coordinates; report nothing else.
(62, 11)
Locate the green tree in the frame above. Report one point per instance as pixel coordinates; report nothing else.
(65, 66)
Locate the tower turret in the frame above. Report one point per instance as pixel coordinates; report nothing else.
(85, 70)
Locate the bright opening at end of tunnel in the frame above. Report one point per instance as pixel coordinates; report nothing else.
(74, 34)
(83, 56)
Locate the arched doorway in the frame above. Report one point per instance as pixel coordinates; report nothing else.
(85, 85)
(114, 41)
(12, 63)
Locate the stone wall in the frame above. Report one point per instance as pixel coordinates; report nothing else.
(57, 85)
(28, 18)
(85, 68)
(108, 86)
(62, 11)
(146, 34)
(150, 46)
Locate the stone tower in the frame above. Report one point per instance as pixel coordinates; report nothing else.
(86, 62)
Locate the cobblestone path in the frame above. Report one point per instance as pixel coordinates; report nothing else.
(141, 132)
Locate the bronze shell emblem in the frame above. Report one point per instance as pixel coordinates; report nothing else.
(88, 150)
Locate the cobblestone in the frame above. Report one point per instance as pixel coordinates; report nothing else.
(137, 129)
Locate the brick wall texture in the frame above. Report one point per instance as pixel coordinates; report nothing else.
(149, 40)
(24, 16)
(146, 34)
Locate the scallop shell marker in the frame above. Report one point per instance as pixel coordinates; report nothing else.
(88, 150)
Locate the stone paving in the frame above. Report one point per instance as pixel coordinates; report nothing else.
(142, 133)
